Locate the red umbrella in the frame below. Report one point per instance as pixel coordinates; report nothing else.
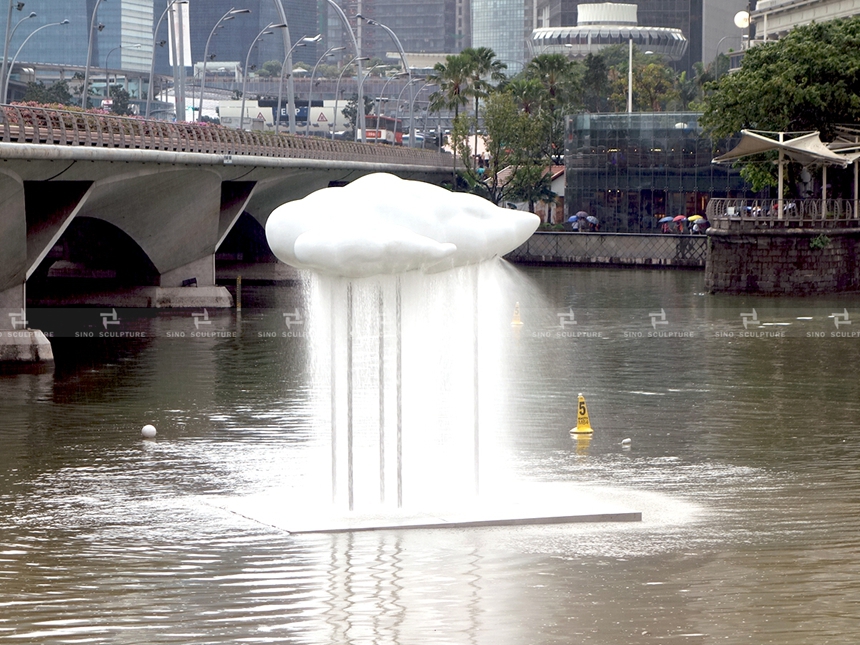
(678, 218)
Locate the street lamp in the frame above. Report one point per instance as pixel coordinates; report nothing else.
(328, 53)
(10, 32)
(15, 57)
(107, 67)
(291, 97)
(230, 15)
(337, 91)
(152, 62)
(265, 32)
(379, 98)
(85, 93)
(406, 67)
(411, 103)
(358, 58)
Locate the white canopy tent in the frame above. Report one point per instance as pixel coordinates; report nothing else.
(803, 147)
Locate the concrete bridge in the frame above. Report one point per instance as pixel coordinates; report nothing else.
(154, 199)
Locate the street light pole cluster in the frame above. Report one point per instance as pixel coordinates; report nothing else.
(230, 15)
(6, 70)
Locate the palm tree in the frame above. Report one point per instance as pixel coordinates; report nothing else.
(559, 78)
(527, 92)
(481, 65)
(452, 78)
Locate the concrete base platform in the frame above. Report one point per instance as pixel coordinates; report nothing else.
(537, 505)
(25, 346)
(146, 297)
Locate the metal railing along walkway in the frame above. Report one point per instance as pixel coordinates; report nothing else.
(41, 125)
(739, 214)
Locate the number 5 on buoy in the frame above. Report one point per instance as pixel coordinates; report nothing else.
(583, 426)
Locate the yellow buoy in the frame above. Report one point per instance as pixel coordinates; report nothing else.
(516, 319)
(583, 426)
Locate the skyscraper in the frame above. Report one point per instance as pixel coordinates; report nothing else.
(422, 26)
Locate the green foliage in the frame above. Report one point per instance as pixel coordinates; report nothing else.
(121, 101)
(513, 140)
(58, 93)
(819, 242)
(270, 69)
(807, 80)
(350, 112)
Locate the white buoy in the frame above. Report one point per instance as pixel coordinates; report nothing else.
(148, 431)
(626, 442)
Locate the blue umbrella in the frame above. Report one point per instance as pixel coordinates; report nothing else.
(572, 218)
(665, 219)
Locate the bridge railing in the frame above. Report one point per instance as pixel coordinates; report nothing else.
(749, 214)
(42, 125)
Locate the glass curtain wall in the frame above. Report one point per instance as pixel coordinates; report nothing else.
(631, 170)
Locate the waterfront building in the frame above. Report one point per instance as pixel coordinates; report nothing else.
(775, 18)
(604, 24)
(706, 24)
(631, 170)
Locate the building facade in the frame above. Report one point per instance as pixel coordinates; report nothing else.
(774, 18)
(702, 22)
(632, 170)
(421, 26)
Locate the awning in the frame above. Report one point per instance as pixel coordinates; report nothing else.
(803, 147)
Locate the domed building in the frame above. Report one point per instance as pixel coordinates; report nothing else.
(604, 24)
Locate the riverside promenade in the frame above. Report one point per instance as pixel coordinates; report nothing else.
(166, 195)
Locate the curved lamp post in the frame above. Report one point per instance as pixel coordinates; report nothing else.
(358, 58)
(406, 67)
(337, 90)
(411, 103)
(152, 62)
(10, 33)
(15, 57)
(328, 52)
(230, 15)
(85, 93)
(415, 97)
(107, 67)
(265, 32)
(379, 98)
(291, 99)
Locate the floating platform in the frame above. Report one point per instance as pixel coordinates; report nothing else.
(538, 505)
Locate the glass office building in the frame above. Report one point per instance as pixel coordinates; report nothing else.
(501, 25)
(631, 170)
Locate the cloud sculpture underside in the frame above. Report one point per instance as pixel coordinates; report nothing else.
(381, 224)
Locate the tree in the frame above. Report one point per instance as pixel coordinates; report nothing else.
(452, 78)
(58, 93)
(513, 139)
(560, 80)
(482, 64)
(595, 83)
(808, 80)
(121, 101)
(350, 112)
(270, 69)
(654, 86)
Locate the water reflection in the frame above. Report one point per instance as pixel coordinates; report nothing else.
(742, 461)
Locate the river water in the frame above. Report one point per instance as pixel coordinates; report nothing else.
(742, 414)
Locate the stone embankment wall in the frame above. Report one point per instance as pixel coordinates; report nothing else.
(612, 249)
(781, 262)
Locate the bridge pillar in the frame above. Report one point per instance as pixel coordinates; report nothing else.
(174, 216)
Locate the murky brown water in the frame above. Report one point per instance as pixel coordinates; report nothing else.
(744, 463)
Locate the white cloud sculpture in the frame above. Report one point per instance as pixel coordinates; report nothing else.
(381, 224)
